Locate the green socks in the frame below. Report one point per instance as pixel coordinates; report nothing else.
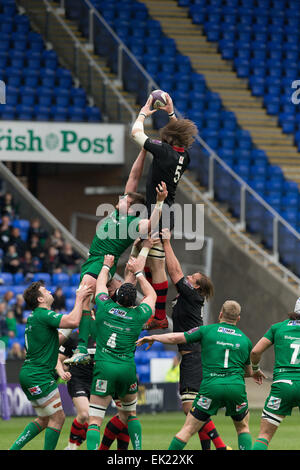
(84, 331)
(93, 437)
(51, 438)
(135, 432)
(245, 441)
(32, 429)
(260, 444)
(177, 444)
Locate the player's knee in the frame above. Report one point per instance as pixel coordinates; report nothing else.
(83, 416)
(57, 419)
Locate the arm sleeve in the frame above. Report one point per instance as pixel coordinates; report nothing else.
(156, 147)
(67, 348)
(270, 333)
(145, 310)
(102, 297)
(194, 335)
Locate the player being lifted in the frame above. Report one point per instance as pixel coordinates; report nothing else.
(170, 160)
(114, 235)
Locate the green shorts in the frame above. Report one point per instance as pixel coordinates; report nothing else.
(114, 378)
(284, 396)
(36, 386)
(94, 265)
(217, 393)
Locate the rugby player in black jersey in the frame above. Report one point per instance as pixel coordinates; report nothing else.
(193, 290)
(170, 160)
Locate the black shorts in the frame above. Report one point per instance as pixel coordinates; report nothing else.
(80, 383)
(190, 375)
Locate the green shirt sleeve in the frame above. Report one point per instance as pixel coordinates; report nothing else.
(271, 333)
(193, 335)
(145, 310)
(51, 318)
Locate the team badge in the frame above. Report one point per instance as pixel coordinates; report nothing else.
(35, 390)
(204, 402)
(101, 385)
(274, 403)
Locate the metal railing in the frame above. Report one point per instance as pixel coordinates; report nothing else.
(104, 40)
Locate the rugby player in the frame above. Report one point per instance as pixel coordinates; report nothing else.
(118, 325)
(225, 361)
(113, 236)
(37, 375)
(170, 160)
(285, 389)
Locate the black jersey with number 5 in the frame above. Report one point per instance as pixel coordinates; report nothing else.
(168, 165)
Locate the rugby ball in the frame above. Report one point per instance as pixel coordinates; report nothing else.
(159, 99)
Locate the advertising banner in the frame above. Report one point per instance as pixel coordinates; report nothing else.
(151, 398)
(62, 142)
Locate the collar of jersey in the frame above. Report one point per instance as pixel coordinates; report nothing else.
(178, 149)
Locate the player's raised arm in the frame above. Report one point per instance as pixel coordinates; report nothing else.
(169, 107)
(101, 284)
(136, 173)
(72, 320)
(137, 131)
(168, 338)
(147, 226)
(136, 266)
(173, 265)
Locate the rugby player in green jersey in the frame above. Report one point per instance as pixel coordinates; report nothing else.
(113, 236)
(225, 363)
(118, 326)
(37, 375)
(285, 389)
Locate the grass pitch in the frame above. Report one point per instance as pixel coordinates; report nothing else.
(159, 429)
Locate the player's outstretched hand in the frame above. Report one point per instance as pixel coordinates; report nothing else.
(258, 376)
(169, 107)
(135, 264)
(146, 109)
(109, 260)
(165, 234)
(161, 191)
(145, 340)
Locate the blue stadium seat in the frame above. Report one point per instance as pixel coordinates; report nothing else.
(42, 277)
(60, 279)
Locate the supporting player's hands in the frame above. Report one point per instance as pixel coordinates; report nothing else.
(109, 260)
(161, 192)
(83, 292)
(151, 241)
(146, 109)
(145, 340)
(165, 234)
(135, 264)
(258, 376)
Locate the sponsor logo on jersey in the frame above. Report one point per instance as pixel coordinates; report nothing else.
(116, 311)
(155, 141)
(228, 331)
(294, 323)
(192, 330)
(274, 403)
(103, 297)
(35, 390)
(204, 402)
(101, 385)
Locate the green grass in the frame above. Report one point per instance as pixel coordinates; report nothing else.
(159, 429)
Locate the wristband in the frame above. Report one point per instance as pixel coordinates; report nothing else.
(171, 114)
(139, 274)
(106, 266)
(144, 251)
(142, 114)
(159, 205)
(255, 367)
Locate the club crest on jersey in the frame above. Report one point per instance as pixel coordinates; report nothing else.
(133, 387)
(103, 297)
(274, 403)
(204, 402)
(192, 330)
(101, 385)
(35, 390)
(240, 407)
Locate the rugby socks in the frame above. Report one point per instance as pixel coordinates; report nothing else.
(93, 437)
(51, 438)
(78, 432)
(115, 429)
(245, 441)
(260, 444)
(204, 440)
(210, 429)
(177, 444)
(84, 331)
(135, 432)
(32, 429)
(161, 290)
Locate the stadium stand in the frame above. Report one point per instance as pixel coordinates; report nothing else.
(38, 87)
(218, 126)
